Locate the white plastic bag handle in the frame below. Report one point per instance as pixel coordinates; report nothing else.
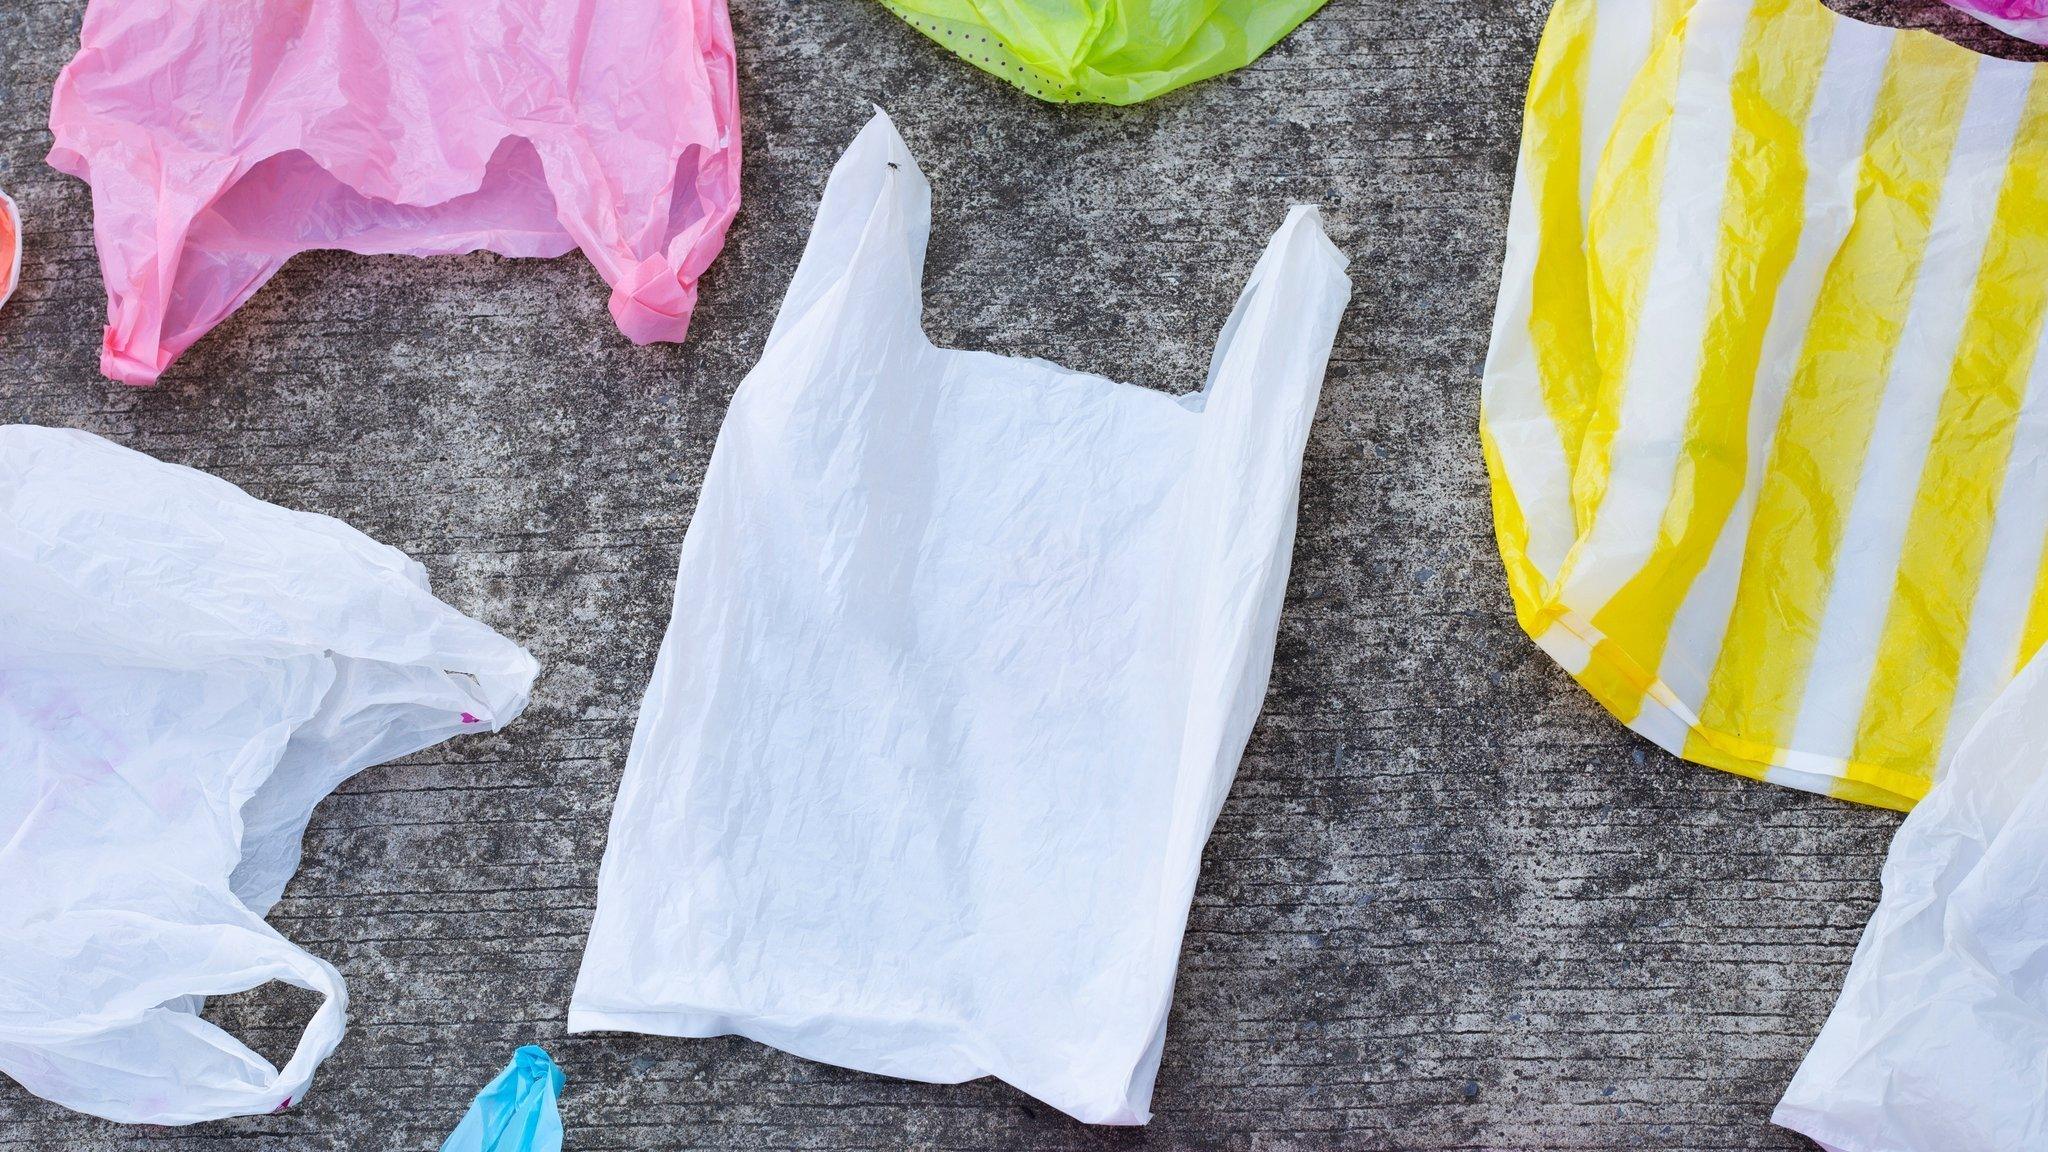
(866, 251)
(150, 1059)
(1257, 406)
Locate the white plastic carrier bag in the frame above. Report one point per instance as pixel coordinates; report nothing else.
(964, 654)
(185, 671)
(1939, 1042)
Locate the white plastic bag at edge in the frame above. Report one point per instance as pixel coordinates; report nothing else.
(965, 651)
(1939, 1042)
(185, 671)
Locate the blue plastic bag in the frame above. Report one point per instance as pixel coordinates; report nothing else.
(515, 1112)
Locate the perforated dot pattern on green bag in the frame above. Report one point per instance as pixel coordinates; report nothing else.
(1105, 51)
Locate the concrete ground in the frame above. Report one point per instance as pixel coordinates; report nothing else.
(1450, 904)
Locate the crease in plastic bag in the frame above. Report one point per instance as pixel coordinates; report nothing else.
(222, 137)
(1764, 407)
(1105, 51)
(964, 654)
(516, 1111)
(1939, 1041)
(2026, 19)
(185, 671)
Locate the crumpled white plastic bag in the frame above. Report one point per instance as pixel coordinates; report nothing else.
(964, 655)
(1939, 1042)
(185, 671)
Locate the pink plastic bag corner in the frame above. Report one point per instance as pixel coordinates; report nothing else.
(2026, 19)
(10, 248)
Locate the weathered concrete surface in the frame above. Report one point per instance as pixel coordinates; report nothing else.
(1450, 904)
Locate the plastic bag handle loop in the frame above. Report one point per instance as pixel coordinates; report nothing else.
(151, 1058)
(864, 261)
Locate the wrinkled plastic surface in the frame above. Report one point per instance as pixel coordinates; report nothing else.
(1766, 408)
(516, 1111)
(221, 137)
(1105, 51)
(10, 248)
(185, 671)
(964, 653)
(2027, 19)
(1939, 1042)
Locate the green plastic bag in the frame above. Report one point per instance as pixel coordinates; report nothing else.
(1105, 51)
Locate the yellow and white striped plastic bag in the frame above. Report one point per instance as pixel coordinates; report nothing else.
(1766, 409)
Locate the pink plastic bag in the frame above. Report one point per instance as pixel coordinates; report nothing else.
(10, 248)
(222, 137)
(2026, 19)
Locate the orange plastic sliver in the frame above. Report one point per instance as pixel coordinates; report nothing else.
(10, 247)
